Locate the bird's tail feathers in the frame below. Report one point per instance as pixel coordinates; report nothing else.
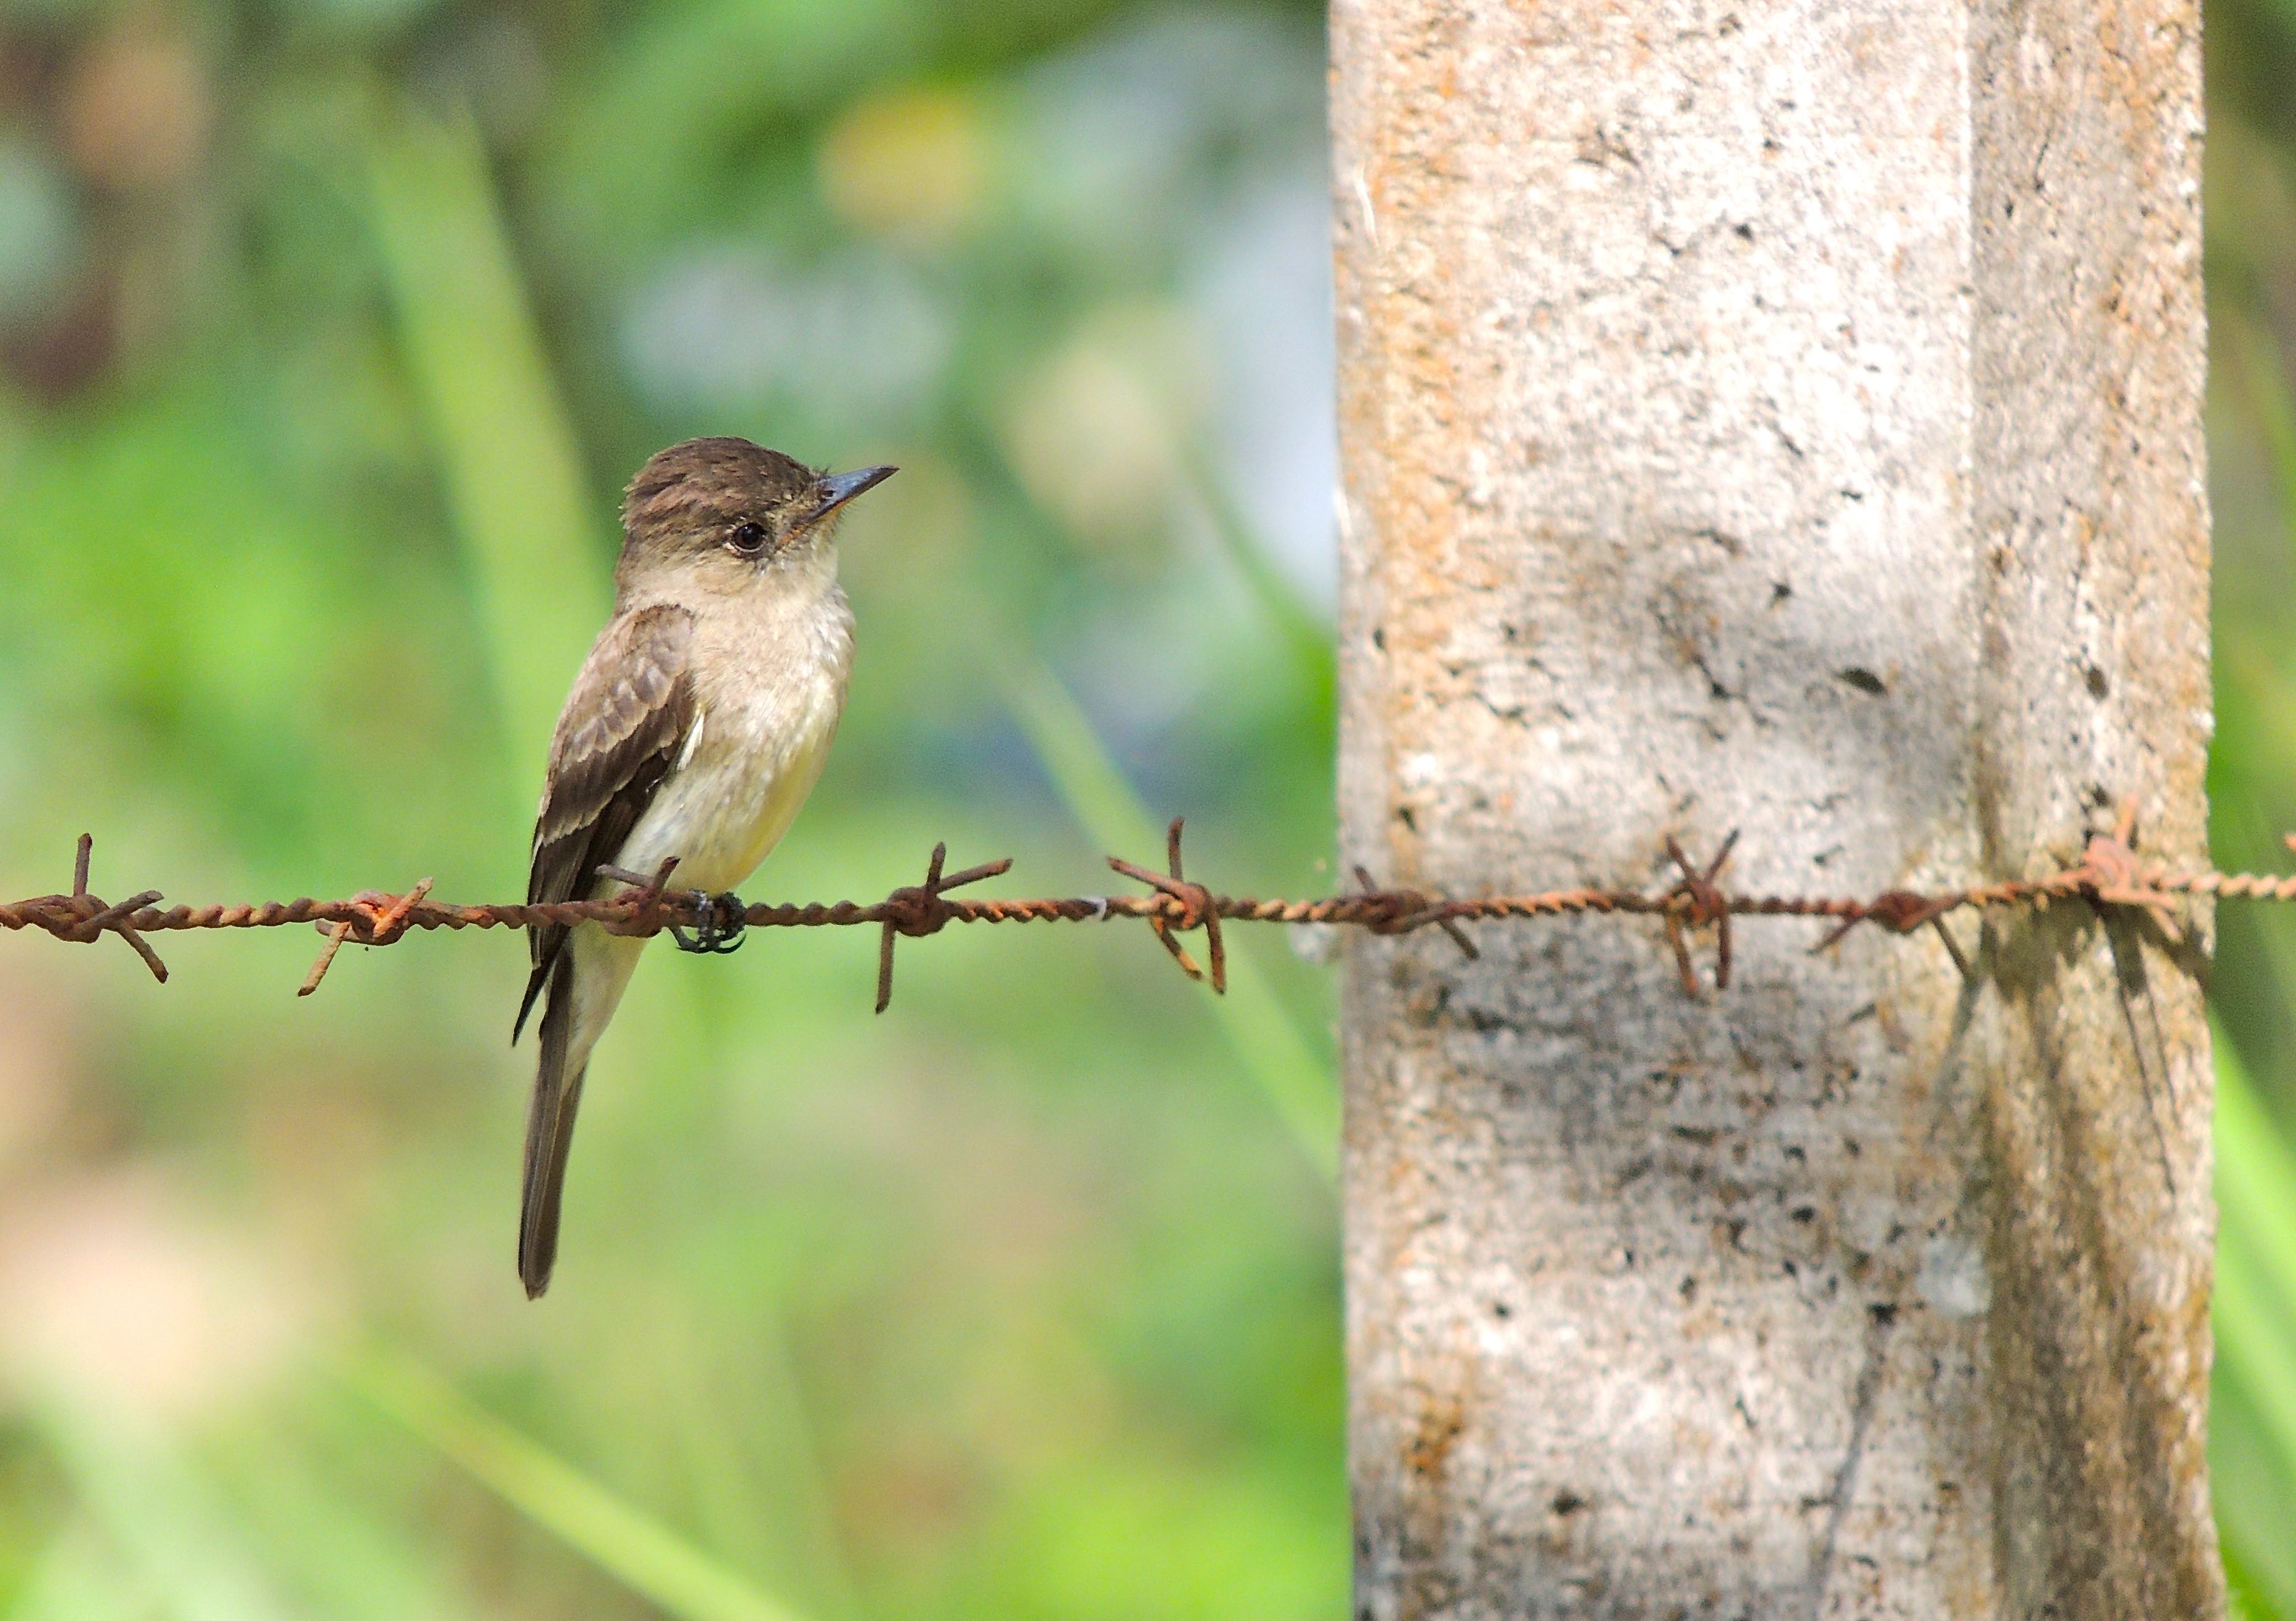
(549, 1131)
(534, 983)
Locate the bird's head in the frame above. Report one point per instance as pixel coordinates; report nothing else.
(720, 512)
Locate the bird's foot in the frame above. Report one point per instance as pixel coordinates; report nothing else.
(722, 927)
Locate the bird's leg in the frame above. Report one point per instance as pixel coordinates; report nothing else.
(719, 931)
(728, 923)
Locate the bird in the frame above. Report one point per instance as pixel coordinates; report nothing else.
(695, 729)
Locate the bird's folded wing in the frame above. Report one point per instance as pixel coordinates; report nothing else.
(629, 715)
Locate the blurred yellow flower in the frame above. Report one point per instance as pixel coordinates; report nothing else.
(906, 163)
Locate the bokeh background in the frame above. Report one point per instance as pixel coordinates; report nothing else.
(328, 331)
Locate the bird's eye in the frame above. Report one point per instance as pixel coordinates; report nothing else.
(748, 537)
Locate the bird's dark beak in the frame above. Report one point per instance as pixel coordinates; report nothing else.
(842, 487)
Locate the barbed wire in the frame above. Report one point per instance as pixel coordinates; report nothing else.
(2109, 873)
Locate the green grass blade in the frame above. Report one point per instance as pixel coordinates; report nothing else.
(638, 1549)
(2249, 1599)
(2256, 1171)
(2268, 394)
(507, 452)
(160, 1516)
(2254, 1353)
(1273, 1052)
(78, 1578)
(2254, 1309)
(348, 1563)
(2252, 1341)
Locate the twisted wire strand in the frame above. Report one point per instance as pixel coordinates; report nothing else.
(2108, 874)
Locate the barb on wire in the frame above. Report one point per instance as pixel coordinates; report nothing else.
(384, 920)
(82, 917)
(1198, 907)
(2110, 873)
(918, 910)
(1699, 905)
(1411, 910)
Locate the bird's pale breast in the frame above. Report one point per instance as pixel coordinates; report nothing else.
(769, 697)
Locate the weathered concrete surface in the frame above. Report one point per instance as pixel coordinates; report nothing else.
(1785, 418)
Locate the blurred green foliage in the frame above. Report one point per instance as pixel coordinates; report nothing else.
(2250, 201)
(327, 330)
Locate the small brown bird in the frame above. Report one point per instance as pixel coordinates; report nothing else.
(696, 728)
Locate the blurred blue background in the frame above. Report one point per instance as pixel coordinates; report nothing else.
(328, 332)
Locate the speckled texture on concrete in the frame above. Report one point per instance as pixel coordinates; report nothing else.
(1783, 418)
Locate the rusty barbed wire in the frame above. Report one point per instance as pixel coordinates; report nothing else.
(2110, 873)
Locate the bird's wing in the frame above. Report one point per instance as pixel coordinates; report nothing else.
(629, 713)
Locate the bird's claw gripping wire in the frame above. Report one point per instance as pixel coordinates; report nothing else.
(721, 924)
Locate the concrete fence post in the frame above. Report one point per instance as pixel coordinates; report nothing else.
(1783, 418)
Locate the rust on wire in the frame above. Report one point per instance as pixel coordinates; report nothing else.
(1696, 902)
(2110, 873)
(82, 917)
(381, 918)
(1196, 907)
(918, 910)
(1404, 910)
